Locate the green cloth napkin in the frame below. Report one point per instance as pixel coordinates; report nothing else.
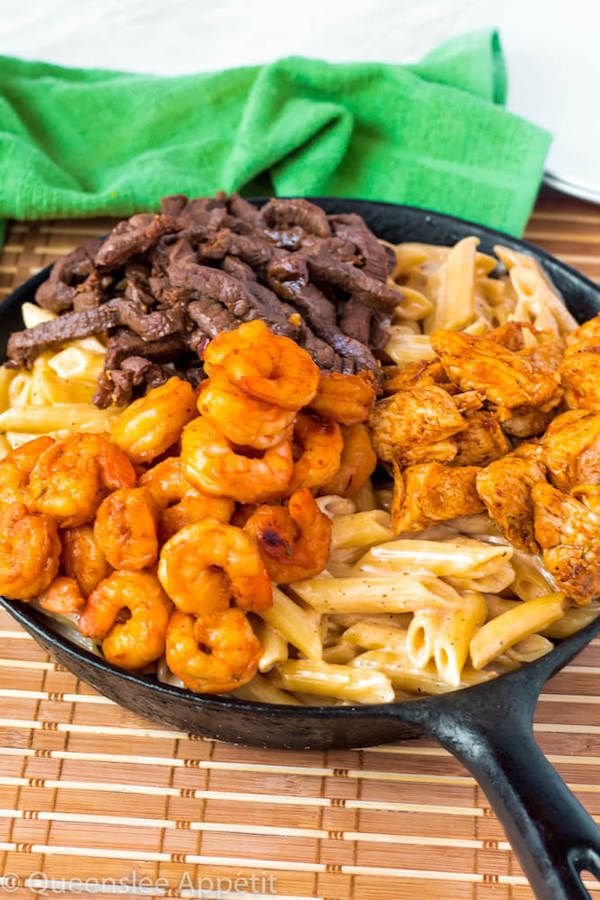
(83, 142)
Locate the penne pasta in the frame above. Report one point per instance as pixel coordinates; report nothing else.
(531, 579)
(498, 605)
(476, 525)
(341, 682)
(34, 315)
(6, 378)
(421, 636)
(573, 620)
(530, 648)
(44, 419)
(536, 296)
(411, 255)
(361, 529)
(493, 582)
(405, 348)
(413, 305)
(395, 593)
(19, 391)
(299, 627)
(340, 654)
(454, 556)
(452, 641)
(375, 636)
(405, 677)
(452, 286)
(262, 690)
(274, 646)
(344, 621)
(507, 629)
(74, 364)
(333, 505)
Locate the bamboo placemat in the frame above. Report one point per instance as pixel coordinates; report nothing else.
(91, 793)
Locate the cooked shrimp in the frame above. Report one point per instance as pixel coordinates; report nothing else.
(72, 475)
(150, 425)
(293, 541)
(62, 596)
(247, 336)
(320, 443)
(346, 399)
(266, 366)
(16, 467)
(214, 654)
(168, 485)
(29, 552)
(243, 419)
(212, 465)
(193, 507)
(125, 528)
(140, 639)
(83, 558)
(357, 463)
(166, 481)
(206, 564)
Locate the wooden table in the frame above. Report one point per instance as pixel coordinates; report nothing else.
(90, 791)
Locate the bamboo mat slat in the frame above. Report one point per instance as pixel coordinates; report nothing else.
(90, 792)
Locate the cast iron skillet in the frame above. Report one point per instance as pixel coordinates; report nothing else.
(487, 727)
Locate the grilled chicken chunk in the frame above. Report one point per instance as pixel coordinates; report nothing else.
(482, 441)
(416, 425)
(431, 492)
(571, 449)
(580, 370)
(505, 488)
(568, 530)
(506, 378)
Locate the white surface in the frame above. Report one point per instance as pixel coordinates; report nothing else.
(552, 47)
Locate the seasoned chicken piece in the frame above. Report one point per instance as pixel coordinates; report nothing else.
(430, 493)
(423, 371)
(482, 441)
(526, 421)
(505, 488)
(571, 449)
(508, 379)
(580, 370)
(511, 335)
(416, 425)
(569, 533)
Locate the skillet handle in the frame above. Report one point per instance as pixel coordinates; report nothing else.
(490, 730)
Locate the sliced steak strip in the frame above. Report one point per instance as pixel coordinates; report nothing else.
(354, 281)
(24, 346)
(173, 205)
(379, 333)
(58, 292)
(212, 284)
(238, 268)
(355, 320)
(211, 317)
(124, 343)
(243, 210)
(134, 236)
(154, 325)
(282, 212)
(375, 259)
(288, 277)
(117, 385)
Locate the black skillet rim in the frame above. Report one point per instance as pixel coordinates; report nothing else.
(34, 621)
